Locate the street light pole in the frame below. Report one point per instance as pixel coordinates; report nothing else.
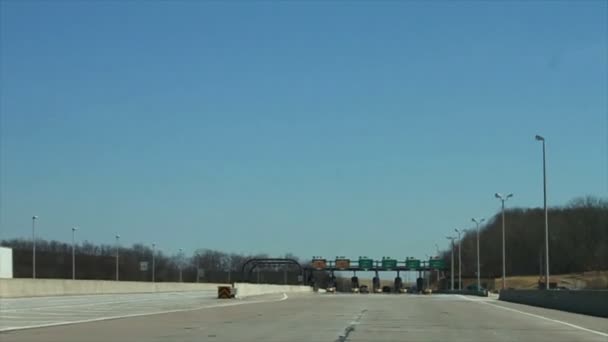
(437, 271)
(451, 238)
(460, 257)
(539, 138)
(181, 256)
(427, 273)
(478, 222)
(74, 229)
(504, 267)
(153, 263)
(34, 218)
(117, 245)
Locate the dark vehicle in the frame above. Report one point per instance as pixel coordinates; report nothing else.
(363, 289)
(386, 289)
(473, 287)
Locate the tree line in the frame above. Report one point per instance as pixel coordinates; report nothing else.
(54, 260)
(578, 241)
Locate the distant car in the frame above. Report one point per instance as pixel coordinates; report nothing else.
(331, 289)
(363, 289)
(473, 287)
(354, 290)
(386, 289)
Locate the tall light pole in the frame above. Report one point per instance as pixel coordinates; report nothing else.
(153, 263)
(539, 138)
(460, 257)
(181, 256)
(504, 267)
(437, 271)
(34, 218)
(117, 245)
(478, 222)
(451, 238)
(426, 273)
(74, 229)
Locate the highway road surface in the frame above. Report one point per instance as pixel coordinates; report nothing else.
(291, 317)
(20, 313)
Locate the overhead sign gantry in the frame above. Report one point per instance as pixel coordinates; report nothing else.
(385, 264)
(364, 263)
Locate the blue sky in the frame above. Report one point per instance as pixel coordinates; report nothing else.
(307, 127)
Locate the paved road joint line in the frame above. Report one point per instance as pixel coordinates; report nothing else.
(351, 327)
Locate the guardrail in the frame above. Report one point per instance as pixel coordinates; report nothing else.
(588, 302)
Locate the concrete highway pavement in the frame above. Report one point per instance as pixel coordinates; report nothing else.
(341, 317)
(18, 313)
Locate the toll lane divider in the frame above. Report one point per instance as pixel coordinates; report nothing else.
(588, 302)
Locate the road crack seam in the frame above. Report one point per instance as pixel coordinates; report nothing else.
(351, 327)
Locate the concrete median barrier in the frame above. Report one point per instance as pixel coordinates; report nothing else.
(11, 288)
(481, 293)
(588, 302)
(247, 290)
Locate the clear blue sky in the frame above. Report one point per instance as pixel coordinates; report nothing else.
(306, 127)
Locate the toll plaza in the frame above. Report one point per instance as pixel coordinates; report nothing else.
(366, 264)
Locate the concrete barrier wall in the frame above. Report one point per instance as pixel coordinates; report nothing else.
(482, 293)
(10, 288)
(6, 262)
(247, 289)
(588, 302)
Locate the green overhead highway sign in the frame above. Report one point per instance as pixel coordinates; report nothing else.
(389, 263)
(436, 263)
(412, 263)
(366, 263)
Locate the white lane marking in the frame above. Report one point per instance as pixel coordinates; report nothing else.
(538, 316)
(51, 314)
(142, 314)
(11, 317)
